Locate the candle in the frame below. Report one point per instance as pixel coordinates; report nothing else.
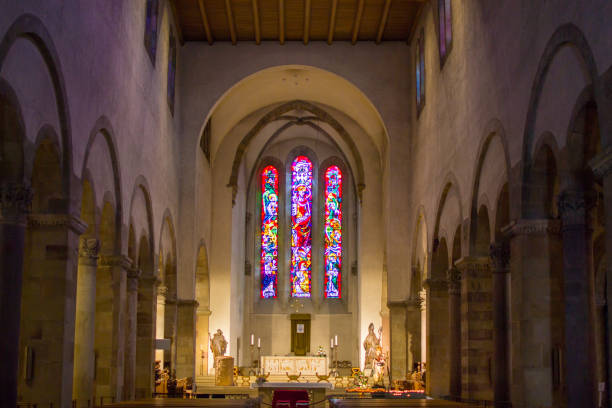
(331, 342)
(336, 340)
(252, 339)
(258, 342)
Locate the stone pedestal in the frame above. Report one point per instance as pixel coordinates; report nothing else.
(224, 370)
(454, 331)
(579, 350)
(84, 333)
(129, 388)
(399, 343)
(15, 200)
(500, 257)
(476, 328)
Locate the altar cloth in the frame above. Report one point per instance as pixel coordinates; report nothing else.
(294, 365)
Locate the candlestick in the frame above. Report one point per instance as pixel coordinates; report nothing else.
(331, 343)
(252, 339)
(259, 342)
(336, 340)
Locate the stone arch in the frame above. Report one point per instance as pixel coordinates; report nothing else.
(450, 189)
(31, 28)
(279, 111)
(103, 127)
(141, 186)
(12, 137)
(493, 129)
(566, 35)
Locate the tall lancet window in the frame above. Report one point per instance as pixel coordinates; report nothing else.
(301, 226)
(333, 232)
(269, 231)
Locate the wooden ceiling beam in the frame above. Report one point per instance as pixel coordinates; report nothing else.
(281, 21)
(332, 22)
(357, 22)
(256, 22)
(383, 21)
(306, 21)
(209, 37)
(177, 22)
(230, 20)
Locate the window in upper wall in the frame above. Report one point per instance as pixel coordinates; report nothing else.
(301, 226)
(445, 33)
(150, 39)
(269, 232)
(171, 70)
(333, 232)
(420, 72)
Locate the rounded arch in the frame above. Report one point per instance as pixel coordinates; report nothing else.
(103, 127)
(167, 225)
(567, 34)
(31, 28)
(450, 189)
(276, 114)
(141, 185)
(493, 129)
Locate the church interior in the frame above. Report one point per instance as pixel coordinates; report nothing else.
(294, 203)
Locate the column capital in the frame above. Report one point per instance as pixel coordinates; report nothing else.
(435, 285)
(203, 312)
(602, 163)
(133, 276)
(187, 303)
(499, 252)
(59, 221)
(525, 226)
(15, 203)
(414, 303)
(89, 248)
(453, 278)
(573, 207)
(391, 304)
(122, 261)
(162, 290)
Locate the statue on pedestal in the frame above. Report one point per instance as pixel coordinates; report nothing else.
(218, 345)
(370, 344)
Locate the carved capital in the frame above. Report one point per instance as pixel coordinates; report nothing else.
(120, 261)
(436, 285)
(573, 207)
(602, 163)
(414, 303)
(532, 227)
(15, 203)
(162, 290)
(69, 221)
(499, 253)
(133, 277)
(453, 278)
(89, 248)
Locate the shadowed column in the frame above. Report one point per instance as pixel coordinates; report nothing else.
(15, 200)
(130, 334)
(454, 323)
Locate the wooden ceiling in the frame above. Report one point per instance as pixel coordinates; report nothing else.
(296, 20)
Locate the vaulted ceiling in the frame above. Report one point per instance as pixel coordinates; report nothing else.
(296, 20)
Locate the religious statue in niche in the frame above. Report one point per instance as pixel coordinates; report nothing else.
(218, 344)
(370, 345)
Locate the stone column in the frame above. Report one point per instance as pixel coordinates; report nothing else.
(129, 388)
(15, 200)
(202, 342)
(454, 328)
(579, 353)
(85, 328)
(145, 335)
(500, 257)
(437, 335)
(476, 328)
(399, 344)
(413, 332)
(162, 291)
(185, 338)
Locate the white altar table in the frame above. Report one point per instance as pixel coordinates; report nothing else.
(307, 365)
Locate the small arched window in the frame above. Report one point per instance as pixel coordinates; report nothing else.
(445, 28)
(150, 38)
(420, 71)
(269, 232)
(333, 232)
(301, 227)
(171, 70)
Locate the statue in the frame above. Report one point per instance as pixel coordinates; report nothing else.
(380, 363)
(370, 344)
(218, 345)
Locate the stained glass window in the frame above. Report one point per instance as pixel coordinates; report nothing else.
(151, 28)
(420, 71)
(301, 226)
(269, 231)
(333, 232)
(446, 32)
(171, 71)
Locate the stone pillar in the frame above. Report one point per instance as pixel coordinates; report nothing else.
(579, 353)
(85, 328)
(15, 201)
(129, 388)
(162, 291)
(500, 257)
(145, 335)
(398, 337)
(202, 341)
(185, 338)
(476, 328)
(454, 330)
(437, 337)
(413, 332)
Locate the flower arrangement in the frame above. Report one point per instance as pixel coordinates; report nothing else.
(321, 352)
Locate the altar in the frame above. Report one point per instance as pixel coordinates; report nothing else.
(307, 365)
